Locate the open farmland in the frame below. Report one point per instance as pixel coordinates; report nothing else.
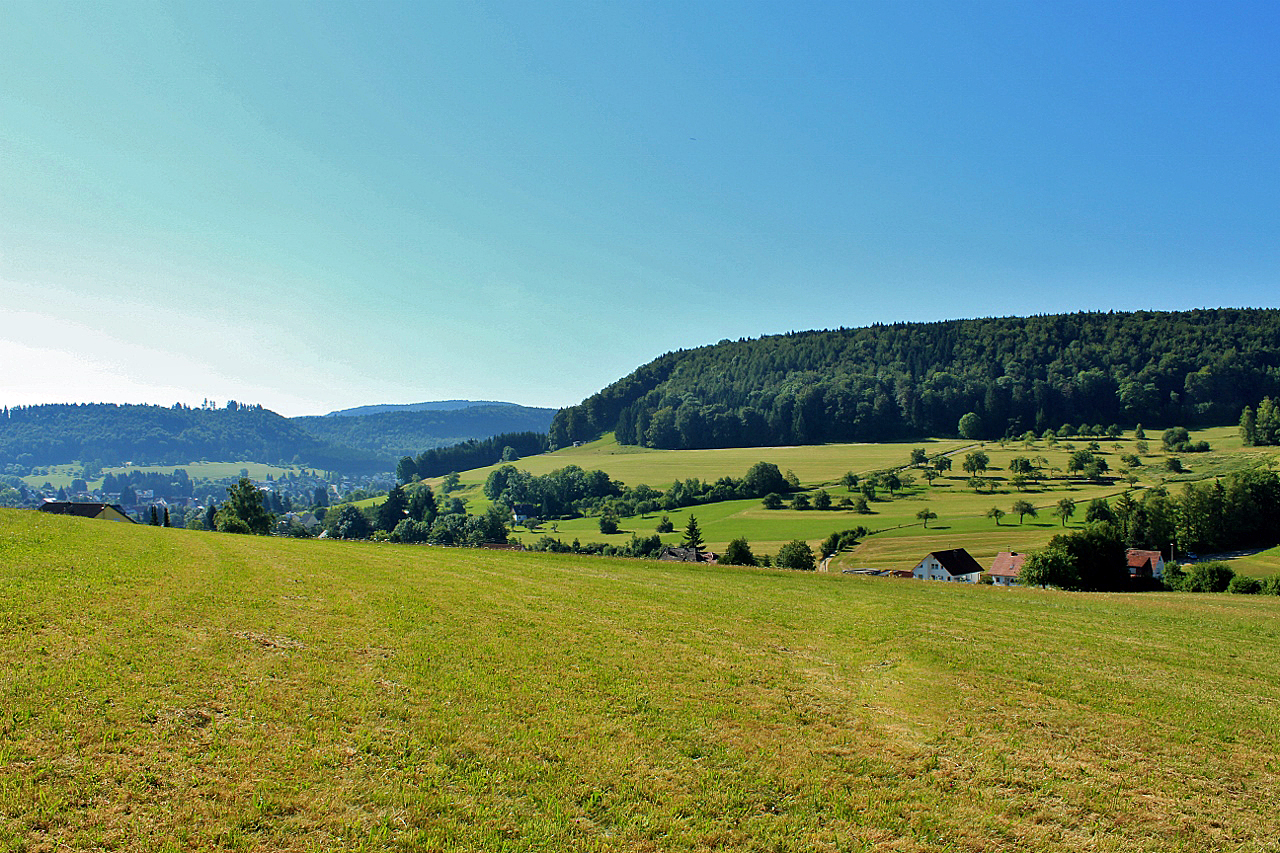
(901, 538)
(170, 690)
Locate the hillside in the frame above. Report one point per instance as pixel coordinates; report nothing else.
(901, 539)
(894, 382)
(218, 691)
(106, 434)
(392, 434)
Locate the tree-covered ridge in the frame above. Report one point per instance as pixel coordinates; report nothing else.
(108, 434)
(888, 382)
(392, 434)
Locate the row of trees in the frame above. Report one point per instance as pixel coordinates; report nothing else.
(474, 453)
(572, 491)
(1002, 375)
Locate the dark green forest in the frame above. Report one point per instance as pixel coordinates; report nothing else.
(907, 380)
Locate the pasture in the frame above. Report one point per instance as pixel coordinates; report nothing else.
(901, 538)
(171, 690)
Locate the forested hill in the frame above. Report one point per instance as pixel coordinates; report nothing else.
(110, 434)
(907, 380)
(393, 434)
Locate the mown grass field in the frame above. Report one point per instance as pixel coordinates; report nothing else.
(172, 690)
(902, 540)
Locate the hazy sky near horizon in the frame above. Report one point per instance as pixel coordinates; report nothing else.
(318, 205)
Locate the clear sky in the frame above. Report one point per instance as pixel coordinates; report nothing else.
(318, 205)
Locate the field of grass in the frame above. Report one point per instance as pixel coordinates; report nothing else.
(813, 465)
(1258, 565)
(172, 690)
(60, 476)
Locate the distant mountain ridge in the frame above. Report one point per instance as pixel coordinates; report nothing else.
(112, 434)
(433, 406)
(405, 432)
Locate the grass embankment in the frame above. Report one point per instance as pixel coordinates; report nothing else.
(903, 539)
(170, 690)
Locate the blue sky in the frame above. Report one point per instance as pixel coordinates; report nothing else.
(320, 205)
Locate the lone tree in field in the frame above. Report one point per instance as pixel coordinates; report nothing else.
(692, 536)
(1065, 509)
(918, 456)
(796, 554)
(849, 480)
(942, 463)
(1023, 508)
(926, 514)
(995, 513)
(976, 462)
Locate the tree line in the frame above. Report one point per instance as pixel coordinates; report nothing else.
(888, 382)
(473, 453)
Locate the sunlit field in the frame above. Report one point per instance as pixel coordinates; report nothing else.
(170, 690)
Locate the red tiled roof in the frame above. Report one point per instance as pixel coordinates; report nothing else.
(1137, 559)
(1007, 564)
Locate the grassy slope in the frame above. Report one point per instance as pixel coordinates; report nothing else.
(60, 476)
(961, 521)
(171, 690)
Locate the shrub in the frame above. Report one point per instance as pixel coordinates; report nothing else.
(1213, 576)
(1242, 585)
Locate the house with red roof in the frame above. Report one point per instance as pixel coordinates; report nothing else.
(953, 565)
(1144, 564)
(1005, 568)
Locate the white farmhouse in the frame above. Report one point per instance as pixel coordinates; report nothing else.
(952, 565)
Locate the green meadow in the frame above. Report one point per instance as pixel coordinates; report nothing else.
(60, 476)
(174, 690)
(900, 539)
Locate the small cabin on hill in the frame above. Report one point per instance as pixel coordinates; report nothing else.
(1144, 564)
(107, 512)
(1006, 567)
(953, 565)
